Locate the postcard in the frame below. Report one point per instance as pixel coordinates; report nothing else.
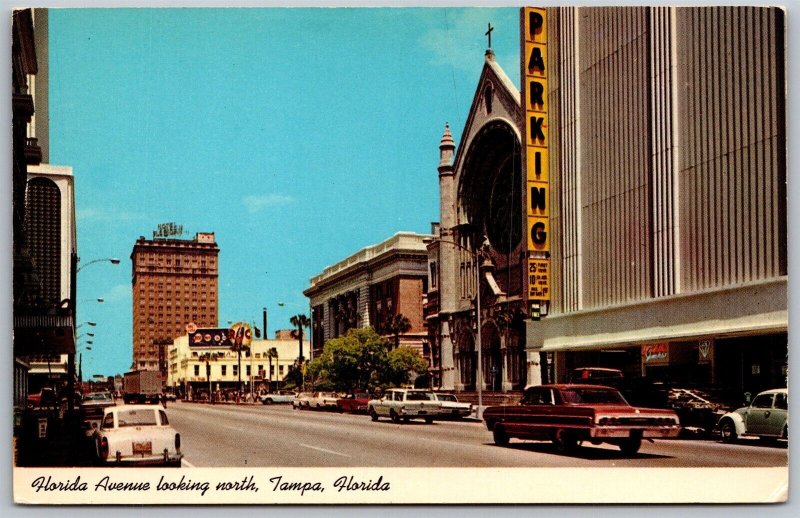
(440, 255)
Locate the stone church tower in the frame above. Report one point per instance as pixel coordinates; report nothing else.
(481, 241)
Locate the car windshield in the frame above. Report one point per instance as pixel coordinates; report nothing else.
(97, 396)
(419, 396)
(144, 417)
(593, 396)
(446, 397)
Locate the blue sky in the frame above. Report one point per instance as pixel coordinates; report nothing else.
(298, 136)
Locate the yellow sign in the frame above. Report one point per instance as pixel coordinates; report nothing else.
(534, 69)
(241, 336)
(539, 279)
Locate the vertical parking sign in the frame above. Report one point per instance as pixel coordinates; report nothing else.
(534, 68)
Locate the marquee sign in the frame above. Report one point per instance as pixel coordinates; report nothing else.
(533, 26)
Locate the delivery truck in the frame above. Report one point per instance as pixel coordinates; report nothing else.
(141, 386)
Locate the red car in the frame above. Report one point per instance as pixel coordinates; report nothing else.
(570, 414)
(357, 403)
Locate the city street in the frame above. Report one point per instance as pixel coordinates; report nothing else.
(262, 436)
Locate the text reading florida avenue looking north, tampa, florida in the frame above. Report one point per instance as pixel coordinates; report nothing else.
(199, 486)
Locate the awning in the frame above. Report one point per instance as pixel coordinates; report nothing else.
(43, 334)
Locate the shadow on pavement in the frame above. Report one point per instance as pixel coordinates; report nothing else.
(587, 451)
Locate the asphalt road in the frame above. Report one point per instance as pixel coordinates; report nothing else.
(265, 436)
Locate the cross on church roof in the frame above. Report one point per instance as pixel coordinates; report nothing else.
(489, 34)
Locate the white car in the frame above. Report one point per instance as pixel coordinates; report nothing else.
(301, 401)
(282, 396)
(404, 404)
(137, 435)
(452, 407)
(766, 418)
(322, 400)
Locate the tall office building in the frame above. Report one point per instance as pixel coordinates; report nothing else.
(174, 284)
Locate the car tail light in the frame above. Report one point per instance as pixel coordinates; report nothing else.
(177, 442)
(104, 448)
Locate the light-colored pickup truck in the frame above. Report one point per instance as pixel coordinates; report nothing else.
(404, 404)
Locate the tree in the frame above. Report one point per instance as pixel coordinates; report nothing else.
(395, 326)
(401, 363)
(353, 362)
(271, 353)
(299, 321)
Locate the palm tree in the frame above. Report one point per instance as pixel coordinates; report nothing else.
(208, 357)
(271, 353)
(299, 321)
(395, 326)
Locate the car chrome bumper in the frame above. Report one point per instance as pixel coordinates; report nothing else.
(627, 431)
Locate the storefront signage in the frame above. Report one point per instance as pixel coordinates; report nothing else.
(655, 354)
(704, 352)
(241, 335)
(211, 338)
(534, 68)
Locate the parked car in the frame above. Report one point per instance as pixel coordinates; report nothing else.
(570, 414)
(45, 398)
(170, 396)
(355, 403)
(452, 407)
(404, 404)
(322, 400)
(301, 401)
(92, 409)
(699, 410)
(137, 435)
(766, 418)
(281, 396)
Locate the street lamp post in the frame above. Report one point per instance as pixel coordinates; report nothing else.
(112, 260)
(478, 345)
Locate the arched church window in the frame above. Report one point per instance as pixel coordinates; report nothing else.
(487, 98)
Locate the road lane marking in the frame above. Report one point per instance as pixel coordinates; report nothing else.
(187, 463)
(323, 449)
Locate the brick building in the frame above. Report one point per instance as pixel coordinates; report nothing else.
(174, 283)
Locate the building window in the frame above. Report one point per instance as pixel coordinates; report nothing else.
(433, 275)
(235, 370)
(225, 369)
(248, 370)
(196, 370)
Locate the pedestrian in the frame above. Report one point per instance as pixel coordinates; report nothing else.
(164, 399)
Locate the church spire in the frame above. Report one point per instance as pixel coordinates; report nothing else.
(446, 148)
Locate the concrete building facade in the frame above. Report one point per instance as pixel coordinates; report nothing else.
(369, 288)
(187, 366)
(175, 283)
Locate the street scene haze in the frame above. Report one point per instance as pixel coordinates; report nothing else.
(399, 238)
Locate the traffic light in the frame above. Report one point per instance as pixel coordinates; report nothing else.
(536, 310)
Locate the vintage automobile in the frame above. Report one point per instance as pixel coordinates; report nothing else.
(451, 407)
(301, 401)
(323, 400)
(570, 414)
(404, 404)
(357, 402)
(766, 418)
(281, 396)
(138, 435)
(92, 409)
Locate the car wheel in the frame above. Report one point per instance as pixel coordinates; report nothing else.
(394, 416)
(268, 401)
(727, 431)
(500, 436)
(630, 446)
(429, 420)
(373, 414)
(563, 442)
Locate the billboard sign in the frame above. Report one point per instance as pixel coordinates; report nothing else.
(215, 337)
(534, 71)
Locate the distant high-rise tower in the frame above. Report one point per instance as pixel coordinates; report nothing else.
(174, 283)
